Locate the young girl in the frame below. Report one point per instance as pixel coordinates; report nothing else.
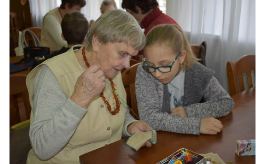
(170, 84)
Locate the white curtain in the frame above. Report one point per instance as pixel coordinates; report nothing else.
(228, 27)
(39, 8)
(92, 9)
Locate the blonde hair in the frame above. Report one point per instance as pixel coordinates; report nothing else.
(116, 26)
(172, 36)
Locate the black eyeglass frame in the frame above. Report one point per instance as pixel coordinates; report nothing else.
(146, 67)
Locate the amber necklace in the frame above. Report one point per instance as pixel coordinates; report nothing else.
(117, 109)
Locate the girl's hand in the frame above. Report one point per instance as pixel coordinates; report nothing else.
(211, 126)
(179, 111)
(88, 85)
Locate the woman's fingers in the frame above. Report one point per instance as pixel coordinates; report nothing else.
(146, 126)
(93, 78)
(90, 84)
(103, 78)
(147, 144)
(93, 69)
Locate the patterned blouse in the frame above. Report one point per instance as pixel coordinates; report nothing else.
(176, 90)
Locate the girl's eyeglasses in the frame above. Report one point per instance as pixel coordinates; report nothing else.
(163, 69)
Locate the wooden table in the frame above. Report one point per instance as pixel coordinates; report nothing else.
(238, 125)
(17, 59)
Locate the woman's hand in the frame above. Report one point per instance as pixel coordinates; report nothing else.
(89, 85)
(179, 111)
(140, 126)
(211, 126)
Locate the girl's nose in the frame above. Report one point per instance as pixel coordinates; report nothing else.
(157, 73)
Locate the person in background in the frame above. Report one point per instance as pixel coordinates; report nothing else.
(74, 111)
(51, 27)
(170, 85)
(107, 5)
(74, 29)
(147, 14)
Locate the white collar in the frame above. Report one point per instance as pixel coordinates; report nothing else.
(178, 81)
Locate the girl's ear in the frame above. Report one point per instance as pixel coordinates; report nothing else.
(182, 56)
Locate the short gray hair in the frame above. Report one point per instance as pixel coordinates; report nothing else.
(116, 26)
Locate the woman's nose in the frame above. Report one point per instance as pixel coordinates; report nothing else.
(126, 63)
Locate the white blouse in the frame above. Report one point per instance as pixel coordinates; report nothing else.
(176, 90)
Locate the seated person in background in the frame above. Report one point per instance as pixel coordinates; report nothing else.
(74, 111)
(51, 27)
(107, 5)
(74, 29)
(170, 84)
(147, 14)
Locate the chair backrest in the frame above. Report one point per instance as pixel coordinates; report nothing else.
(235, 72)
(200, 52)
(128, 78)
(132, 62)
(19, 99)
(29, 38)
(14, 28)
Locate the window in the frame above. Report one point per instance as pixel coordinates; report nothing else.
(162, 5)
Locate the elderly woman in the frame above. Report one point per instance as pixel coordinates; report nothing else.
(74, 107)
(51, 27)
(147, 14)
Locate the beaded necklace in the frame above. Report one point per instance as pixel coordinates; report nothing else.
(117, 109)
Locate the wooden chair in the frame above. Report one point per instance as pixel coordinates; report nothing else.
(128, 78)
(15, 26)
(132, 62)
(19, 99)
(28, 37)
(138, 58)
(19, 20)
(200, 52)
(235, 72)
